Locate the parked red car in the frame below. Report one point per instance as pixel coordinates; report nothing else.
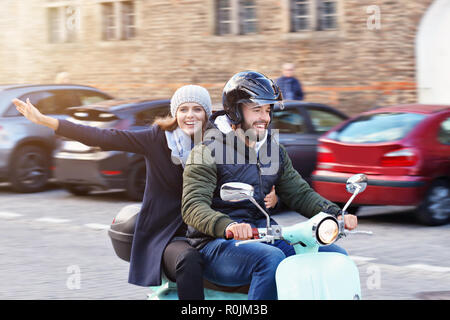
(405, 152)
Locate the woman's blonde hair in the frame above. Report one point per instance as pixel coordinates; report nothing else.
(167, 123)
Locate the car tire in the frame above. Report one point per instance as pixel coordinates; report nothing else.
(30, 169)
(136, 181)
(78, 190)
(435, 208)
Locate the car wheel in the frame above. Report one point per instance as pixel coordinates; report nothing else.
(136, 182)
(30, 169)
(78, 190)
(435, 208)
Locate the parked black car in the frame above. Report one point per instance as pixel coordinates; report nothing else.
(80, 168)
(26, 148)
(300, 125)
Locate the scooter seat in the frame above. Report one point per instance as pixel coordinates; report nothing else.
(240, 289)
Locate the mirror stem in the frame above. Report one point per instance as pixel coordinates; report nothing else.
(350, 200)
(263, 211)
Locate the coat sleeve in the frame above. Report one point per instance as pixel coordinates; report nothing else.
(296, 193)
(109, 139)
(199, 183)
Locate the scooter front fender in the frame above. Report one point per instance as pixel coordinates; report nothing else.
(318, 276)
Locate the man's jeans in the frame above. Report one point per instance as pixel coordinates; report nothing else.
(254, 263)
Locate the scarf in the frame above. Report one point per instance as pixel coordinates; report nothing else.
(180, 144)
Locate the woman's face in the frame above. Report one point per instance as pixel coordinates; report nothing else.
(190, 117)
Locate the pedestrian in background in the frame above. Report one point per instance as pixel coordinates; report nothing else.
(289, 85)
(62, 78)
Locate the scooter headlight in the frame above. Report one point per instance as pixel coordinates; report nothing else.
(327, 231)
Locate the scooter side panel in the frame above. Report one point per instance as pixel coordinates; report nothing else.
(318, 276)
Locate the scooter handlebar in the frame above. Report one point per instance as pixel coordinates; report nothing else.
(229, 234)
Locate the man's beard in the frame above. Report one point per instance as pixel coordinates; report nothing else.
(254, 134)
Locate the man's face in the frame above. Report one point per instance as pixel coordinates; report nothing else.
(256, 119)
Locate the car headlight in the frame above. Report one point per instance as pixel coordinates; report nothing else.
(327, 231)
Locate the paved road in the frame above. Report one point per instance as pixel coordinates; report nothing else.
(54, 245)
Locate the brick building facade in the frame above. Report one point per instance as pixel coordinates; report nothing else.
(352, 54)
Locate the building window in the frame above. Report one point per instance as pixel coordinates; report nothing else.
(248, 21)
(128, 20)
(327, 15)
(118, 20)
(109, 22)
(63, 23)
(236, 17)
(301, 15)
(313, 15)
(224, 17)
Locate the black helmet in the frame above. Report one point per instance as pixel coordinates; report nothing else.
(248, 86)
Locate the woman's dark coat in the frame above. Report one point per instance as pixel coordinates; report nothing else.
(160, 217)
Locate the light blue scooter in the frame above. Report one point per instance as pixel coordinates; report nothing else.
(308, 275)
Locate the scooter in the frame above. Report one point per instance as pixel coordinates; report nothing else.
(307, 275)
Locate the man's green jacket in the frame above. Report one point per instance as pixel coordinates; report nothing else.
(200, 186)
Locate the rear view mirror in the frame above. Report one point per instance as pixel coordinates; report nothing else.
(358, 181)
(236, 191)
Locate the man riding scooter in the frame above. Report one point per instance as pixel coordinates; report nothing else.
(243, 149)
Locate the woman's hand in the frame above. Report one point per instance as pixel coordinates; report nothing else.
(271, 199)
(34, 115)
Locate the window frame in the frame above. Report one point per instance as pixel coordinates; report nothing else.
(120, 26)
(293, 110)
(314, 15)
(325, 110)
(65, 13)
(156, 112)
(237, 21)
(81, 92)
(54, 93)
(440, 129)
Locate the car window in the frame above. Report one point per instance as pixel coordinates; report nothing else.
(43, 100)
(379, 127)
(288, 121)
(52, 101)
(90, 97)
(12, 111)
(148, 116)
(323, 120)
(444, 132)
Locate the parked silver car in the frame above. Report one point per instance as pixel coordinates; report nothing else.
(26, 148)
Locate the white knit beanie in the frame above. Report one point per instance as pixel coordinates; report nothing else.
(191, 93)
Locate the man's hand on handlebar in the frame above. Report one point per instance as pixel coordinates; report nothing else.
(351, 221)
(239, 231)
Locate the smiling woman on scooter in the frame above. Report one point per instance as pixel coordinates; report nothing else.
(159, 237)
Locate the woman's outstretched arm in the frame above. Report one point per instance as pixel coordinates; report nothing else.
(34, 115)
(108, 139)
